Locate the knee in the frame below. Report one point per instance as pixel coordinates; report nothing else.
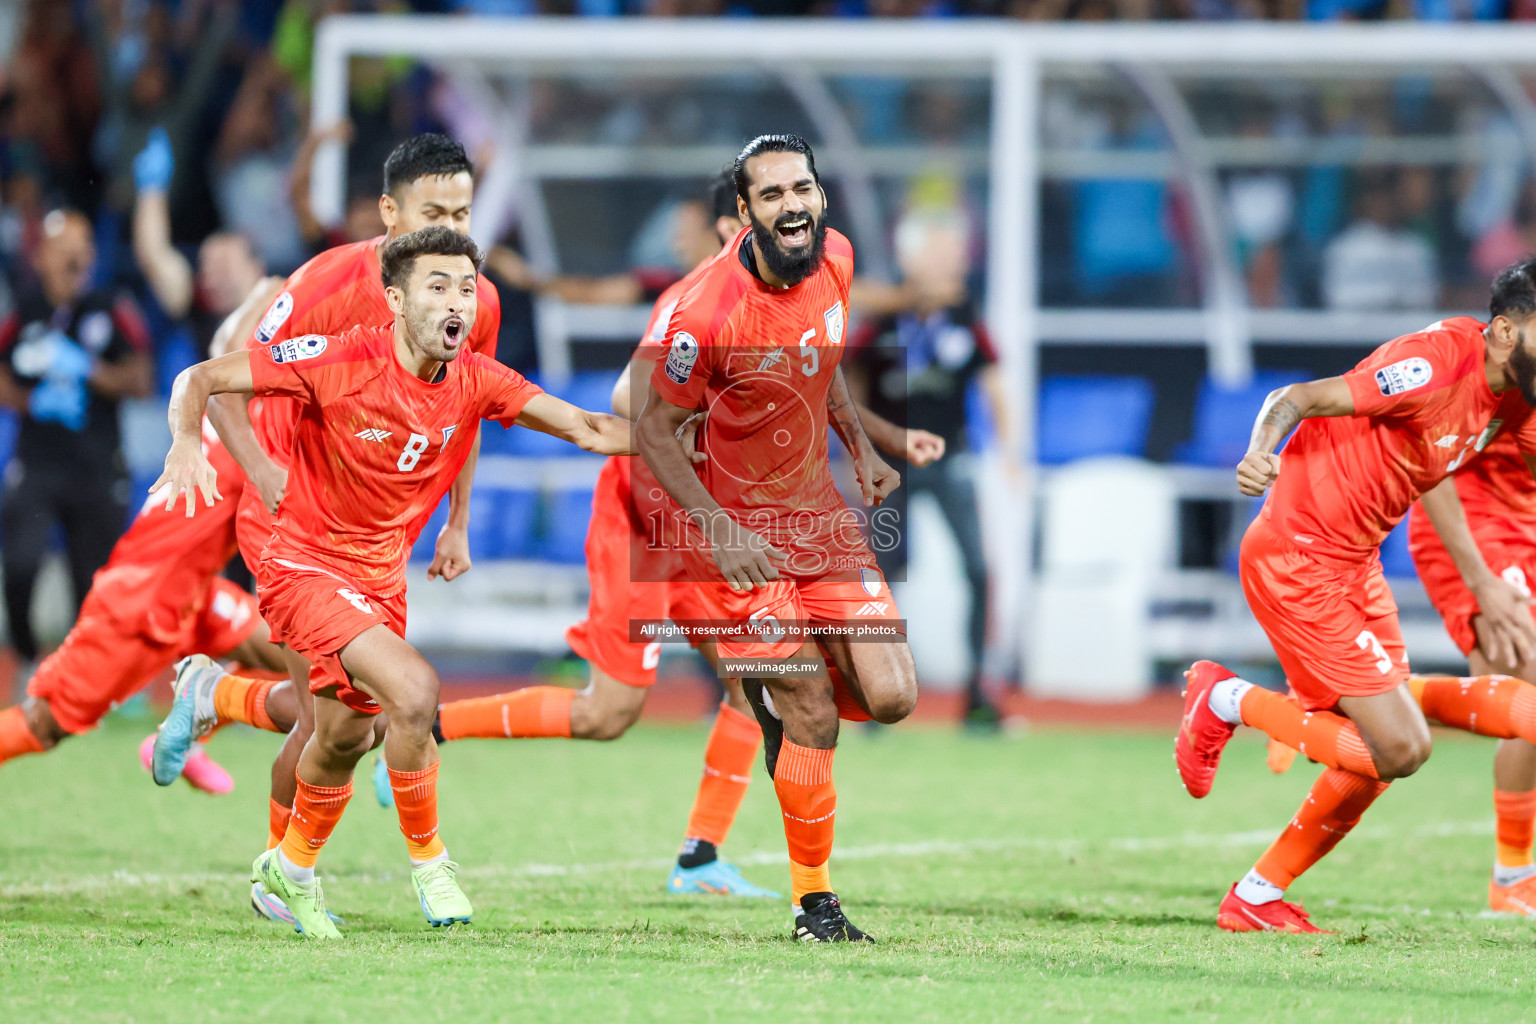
(894, 701)
(42, 725)
(413, 705)
(343, 747)
(1403, 756)
(593, 719)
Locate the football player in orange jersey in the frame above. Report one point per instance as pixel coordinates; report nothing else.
(428, 180)
(1368, 444)
(631, 584)
(332, 575)
(770, 547)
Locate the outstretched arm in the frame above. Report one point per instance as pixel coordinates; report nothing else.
(1508, 638)
(185, 465)
(1281, 411)
(599, 432)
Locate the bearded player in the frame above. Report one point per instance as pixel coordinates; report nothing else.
(158, 599)
(332, 576)
(428, 180)
(1367, 446)
(755, 342)
(634, 580)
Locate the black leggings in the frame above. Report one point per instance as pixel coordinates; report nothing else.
(92, 509)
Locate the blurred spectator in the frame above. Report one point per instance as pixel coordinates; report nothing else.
(1509, 240)
(228, 266)
(70, 354)
(915, 369)
(252, 161)
(693, 241)
(1376, 262)
(137, 55)
(54, 99)
(360, 220)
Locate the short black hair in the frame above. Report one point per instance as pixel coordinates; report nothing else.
(770, 144)
(720, 197)
(399, 255)
(1513, 294)
(431, 155)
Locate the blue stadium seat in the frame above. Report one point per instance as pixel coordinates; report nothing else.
(1086, 416)
(569, 512)
(1395, 559)
(9, 424)
(590, 390)
(422, 550)
(1224, 418)
(516, 518)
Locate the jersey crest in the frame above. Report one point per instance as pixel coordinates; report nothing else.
(294, 349)
(834, 319)
(681, 357)
(282, 308)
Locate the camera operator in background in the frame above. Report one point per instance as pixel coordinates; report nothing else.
(70, 353)
(915, 368)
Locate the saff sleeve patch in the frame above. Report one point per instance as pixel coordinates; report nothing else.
(1405, 375)
(294, 349)
(681, 357)
(282, 308)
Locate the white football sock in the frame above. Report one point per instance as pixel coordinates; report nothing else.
(304, 876)
(1227, 699)
(430, 860)
(1509, 876)
(1256, 889)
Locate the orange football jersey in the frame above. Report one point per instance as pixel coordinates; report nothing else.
(1423, 409)
(762, 360)
(375, 449)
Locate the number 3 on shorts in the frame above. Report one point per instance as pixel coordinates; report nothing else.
(356, 600)
(1367, 639)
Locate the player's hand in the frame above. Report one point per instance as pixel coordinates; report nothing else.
(688, 437)
(450, 559)
(271, 482)
(188, 471)
(876, 479)
(1256, 472)
(744, 558)
(1504, 629)
(923, 448)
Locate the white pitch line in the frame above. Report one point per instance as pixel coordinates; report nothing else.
(14, 888)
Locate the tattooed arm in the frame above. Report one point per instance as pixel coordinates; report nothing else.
(1282, 410)
(876, 479)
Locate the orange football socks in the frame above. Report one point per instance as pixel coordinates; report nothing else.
(1332, 808)
(1516, 825)
(728, 757)
(1500, 706)
(531, 712)
(316, 810)
(416, 804)
(277, 822)
(15, 738)
(803, 780)
(244, 699)
(1329, 739)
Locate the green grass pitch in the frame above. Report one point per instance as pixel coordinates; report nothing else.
(1049, 876)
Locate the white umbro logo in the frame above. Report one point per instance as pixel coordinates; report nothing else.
(373, 434)
(1448, 441)
(873, 608)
